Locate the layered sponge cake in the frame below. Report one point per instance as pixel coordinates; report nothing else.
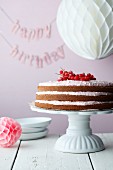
(82, 94)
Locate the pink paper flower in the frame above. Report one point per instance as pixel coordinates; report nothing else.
(10, 132)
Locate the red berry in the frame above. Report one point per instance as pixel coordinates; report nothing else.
(72, 77)
(61, 71)
(88, 75)
(76, 78)
(65, 73)
(59, 80)
(82, 75)
(70, 72)
(82, 79)
(87, 78)
(65, 78)
(91, 77)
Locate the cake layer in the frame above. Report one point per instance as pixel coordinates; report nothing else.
(74, 107)
(63, 97)
(76, 88)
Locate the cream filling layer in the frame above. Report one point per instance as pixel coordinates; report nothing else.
(74, 93)
(54, 102)
(77, 83)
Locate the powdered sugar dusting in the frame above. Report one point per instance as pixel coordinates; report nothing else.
(54, 102)
(73, 93)
(77, 83)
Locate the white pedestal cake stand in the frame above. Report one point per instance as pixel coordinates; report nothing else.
(78, 137)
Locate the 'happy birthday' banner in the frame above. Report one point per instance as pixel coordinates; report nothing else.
(30, 34)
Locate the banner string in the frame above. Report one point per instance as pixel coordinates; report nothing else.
(5, 13)
(6, 40)
(12, 21)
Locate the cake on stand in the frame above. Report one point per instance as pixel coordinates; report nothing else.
(78, 137)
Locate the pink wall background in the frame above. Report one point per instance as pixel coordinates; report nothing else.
(19, 81)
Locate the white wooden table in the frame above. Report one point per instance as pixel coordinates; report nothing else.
(40, 155)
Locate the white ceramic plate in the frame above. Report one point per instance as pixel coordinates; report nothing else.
(31, 136)
(32, 130)
(34, 122)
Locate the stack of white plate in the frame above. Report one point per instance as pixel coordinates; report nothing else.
(34, 128)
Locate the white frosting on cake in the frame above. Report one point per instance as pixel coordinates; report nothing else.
(54, 102)
(74, 93)
(77, 83)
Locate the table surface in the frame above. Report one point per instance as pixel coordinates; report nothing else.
(40, 155)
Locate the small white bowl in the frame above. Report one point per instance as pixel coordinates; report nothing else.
(32, 130)
(34, 122)
(31, 136)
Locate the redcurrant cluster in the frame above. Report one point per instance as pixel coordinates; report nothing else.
(69, 75)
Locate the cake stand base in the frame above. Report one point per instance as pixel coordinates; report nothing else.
(79, 137)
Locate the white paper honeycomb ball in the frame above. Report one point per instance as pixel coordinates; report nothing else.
(86, 26)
